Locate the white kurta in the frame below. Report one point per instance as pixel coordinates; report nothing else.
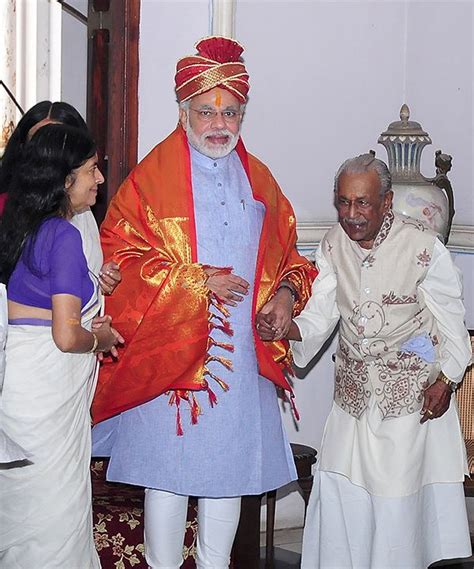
(389, 493)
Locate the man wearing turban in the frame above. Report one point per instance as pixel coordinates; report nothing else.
(205, 241)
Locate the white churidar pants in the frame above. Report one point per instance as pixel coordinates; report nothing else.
(165, 522)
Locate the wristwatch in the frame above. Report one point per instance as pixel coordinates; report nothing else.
(449, 382)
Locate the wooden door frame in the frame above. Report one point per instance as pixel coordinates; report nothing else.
(112, 93)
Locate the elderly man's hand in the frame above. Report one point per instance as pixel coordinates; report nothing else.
(230, 288)
(109, 277)
(436, 401)
(274, 319)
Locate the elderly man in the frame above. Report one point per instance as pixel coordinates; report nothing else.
(388, 491)
(205, 240)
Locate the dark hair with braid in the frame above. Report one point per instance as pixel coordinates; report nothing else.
(37, 190)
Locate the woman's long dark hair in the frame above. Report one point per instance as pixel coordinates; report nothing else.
(37, 190)
(58, 112)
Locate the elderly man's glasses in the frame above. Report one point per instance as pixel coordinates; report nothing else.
(209, 115)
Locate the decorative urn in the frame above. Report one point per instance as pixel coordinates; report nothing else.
(429, 200)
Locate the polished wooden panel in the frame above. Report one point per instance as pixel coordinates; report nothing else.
(98, 120)
(112, 105)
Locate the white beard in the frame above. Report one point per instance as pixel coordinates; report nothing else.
(200, 143)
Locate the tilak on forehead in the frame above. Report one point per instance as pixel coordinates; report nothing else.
(217, 64)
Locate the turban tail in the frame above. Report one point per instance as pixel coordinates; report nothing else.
(217, 64)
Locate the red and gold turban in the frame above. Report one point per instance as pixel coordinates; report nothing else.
(217, 64)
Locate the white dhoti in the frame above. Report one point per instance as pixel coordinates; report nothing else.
(348, 528)
(404, 512)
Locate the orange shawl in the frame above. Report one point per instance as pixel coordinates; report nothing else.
(161, 306)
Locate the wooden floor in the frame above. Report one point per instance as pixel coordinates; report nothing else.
(283, 559)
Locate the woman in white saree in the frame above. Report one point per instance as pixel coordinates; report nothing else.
(45, 502)
(46, 112)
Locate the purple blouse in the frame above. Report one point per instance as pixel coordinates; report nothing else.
(59, 265)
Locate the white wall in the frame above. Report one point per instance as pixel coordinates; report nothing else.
(168, 30)
(74, 58)
(327, 77)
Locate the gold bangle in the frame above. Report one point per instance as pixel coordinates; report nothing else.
(94, 344)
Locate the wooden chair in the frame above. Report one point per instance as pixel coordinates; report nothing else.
(465, 398)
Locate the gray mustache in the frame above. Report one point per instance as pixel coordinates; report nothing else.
(353, 221)
(223, 132)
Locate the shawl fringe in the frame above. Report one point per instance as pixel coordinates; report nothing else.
(178, 395)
